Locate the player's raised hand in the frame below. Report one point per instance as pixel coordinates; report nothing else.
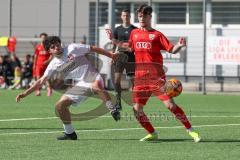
(108, 31)
(19, 97)
(182, 42)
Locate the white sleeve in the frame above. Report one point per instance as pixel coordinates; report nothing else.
(50, 69)
(78, 49)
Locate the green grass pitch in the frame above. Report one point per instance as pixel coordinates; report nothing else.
(24, 136)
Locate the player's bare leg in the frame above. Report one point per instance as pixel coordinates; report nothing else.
(98, 88)
(118, 88)
(49, 89)
(62, 108)
(144, 122)
(38, 92)
(181, 116)
(118, 68)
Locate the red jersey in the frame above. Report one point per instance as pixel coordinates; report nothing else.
(41, 55)
(147, 46)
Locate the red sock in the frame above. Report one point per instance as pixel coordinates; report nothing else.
(180, 115)
(144, 121)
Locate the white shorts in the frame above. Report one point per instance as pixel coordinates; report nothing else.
(81, 90)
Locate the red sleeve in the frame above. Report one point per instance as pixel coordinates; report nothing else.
(36, 50)
(166, 45)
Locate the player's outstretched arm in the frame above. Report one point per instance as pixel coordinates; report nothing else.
(181, 43)
(36, 85)
(125, 45)
(103, 52)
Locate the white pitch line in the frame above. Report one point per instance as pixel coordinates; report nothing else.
(118, 129)
(45, 118)
(214, 116)
(26, 119)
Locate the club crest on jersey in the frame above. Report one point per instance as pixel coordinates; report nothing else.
(151, 36)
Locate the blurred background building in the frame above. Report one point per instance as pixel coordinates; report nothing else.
(83, 21)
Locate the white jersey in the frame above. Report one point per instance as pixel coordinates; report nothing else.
(82, 67)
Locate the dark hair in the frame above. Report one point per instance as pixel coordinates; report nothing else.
(145, 9)
(43, 34)
(28, 56)
(50, 41)
(125, 10)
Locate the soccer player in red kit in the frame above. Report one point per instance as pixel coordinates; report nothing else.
(41, 61)
(147, 43)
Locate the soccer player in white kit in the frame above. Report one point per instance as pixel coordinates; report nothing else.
(70, 62)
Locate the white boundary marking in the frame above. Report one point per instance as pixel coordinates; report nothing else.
(46, 118)
(26, 119)
(118, 129)
(216, 116)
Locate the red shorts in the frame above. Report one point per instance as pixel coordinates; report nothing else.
(143, 90)
(39, 71)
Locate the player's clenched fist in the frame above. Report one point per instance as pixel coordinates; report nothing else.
(182, 42)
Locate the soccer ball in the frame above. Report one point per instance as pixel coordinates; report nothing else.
(173, 87)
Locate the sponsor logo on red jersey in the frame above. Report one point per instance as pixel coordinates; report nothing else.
(143, 45)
